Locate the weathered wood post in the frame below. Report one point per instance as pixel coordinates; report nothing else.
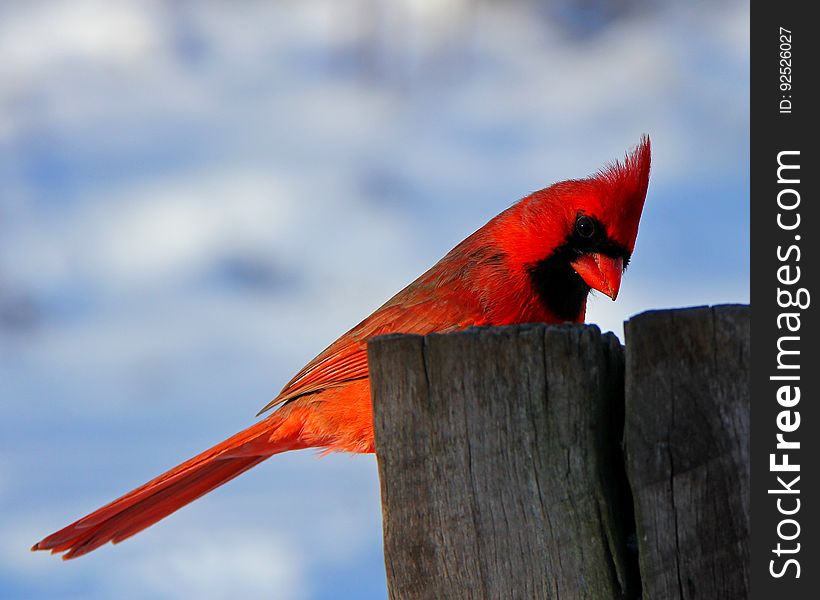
(502, 471)
(687, 450)
(499, 458)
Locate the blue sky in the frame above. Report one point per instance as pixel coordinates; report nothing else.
(196, 198)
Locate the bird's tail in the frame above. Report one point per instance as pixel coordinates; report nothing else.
(163, 495)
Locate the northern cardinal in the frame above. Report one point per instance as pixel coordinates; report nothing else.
(535, 262)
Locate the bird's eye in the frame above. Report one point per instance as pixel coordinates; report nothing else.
(585, 226)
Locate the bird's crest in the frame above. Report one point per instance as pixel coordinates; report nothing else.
(626, 184)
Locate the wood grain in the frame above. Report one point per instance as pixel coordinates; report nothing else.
(500, 464)
(687, 450)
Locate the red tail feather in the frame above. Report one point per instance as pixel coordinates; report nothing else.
(163, 495)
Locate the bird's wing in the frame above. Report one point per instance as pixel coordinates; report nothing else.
(346, 359)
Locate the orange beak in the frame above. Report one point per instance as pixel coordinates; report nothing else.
(600, 272)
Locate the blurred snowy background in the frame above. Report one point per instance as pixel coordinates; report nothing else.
(196, 197)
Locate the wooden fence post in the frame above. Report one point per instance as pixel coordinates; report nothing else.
(502, 473)
(500, 464)
(687, 450)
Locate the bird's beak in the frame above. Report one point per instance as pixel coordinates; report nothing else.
(600, 272)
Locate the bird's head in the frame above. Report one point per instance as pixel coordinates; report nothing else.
(579, 234)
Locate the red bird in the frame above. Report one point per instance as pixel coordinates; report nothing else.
(535, 262)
